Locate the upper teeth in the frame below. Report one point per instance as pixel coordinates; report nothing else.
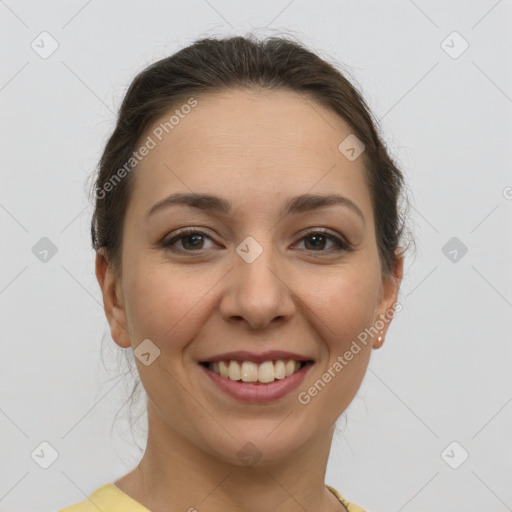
(249, 371)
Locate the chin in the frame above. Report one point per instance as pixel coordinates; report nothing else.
(267, 444)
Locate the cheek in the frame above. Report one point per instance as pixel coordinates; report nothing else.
(343, 309)
(167, 305)
(347, 306)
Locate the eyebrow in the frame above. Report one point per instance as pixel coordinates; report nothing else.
(297, 204)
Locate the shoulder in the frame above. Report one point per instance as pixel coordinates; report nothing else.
(83, 506)
(107, 498)
(351, 507)
(90, 503)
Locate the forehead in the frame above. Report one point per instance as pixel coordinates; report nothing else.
(273, 143)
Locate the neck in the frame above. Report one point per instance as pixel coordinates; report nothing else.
(175, 474)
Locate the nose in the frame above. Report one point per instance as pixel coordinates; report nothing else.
(258, 292)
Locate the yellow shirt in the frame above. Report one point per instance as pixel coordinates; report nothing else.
(110, 498)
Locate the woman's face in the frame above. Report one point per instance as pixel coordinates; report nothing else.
(257, 278)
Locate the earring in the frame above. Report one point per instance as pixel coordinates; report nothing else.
(379, 339)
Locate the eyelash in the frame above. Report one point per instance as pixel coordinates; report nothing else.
(184, 233)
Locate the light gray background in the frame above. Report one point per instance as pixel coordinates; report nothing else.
(443, 374)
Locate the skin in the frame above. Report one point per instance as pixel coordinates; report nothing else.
(296, 296)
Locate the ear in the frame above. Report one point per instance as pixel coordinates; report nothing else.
(388, 298)
(114, 308)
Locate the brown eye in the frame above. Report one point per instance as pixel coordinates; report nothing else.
(191, 240)
(319, 239)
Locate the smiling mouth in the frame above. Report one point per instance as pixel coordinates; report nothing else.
(254, 373)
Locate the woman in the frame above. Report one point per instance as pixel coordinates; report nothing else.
(248, 240)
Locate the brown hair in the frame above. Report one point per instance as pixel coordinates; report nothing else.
(212, 65)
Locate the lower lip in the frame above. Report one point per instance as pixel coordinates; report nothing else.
(246, 392)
